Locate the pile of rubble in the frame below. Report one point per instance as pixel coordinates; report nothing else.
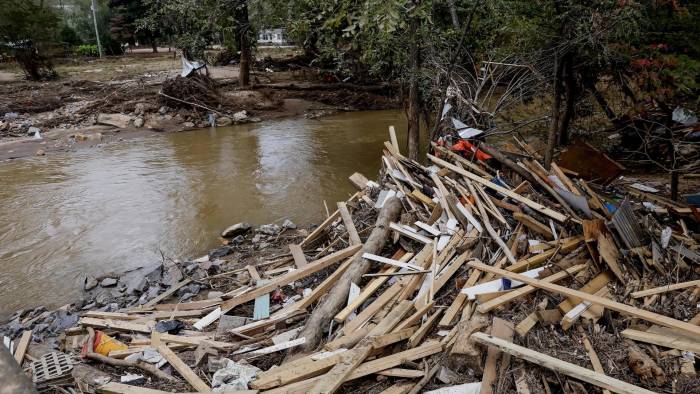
(455, 277)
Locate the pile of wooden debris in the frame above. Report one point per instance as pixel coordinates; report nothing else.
(447, 278)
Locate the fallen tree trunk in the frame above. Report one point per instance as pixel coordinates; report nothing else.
(337, 297)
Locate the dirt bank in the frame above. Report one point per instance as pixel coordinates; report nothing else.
(101, 101)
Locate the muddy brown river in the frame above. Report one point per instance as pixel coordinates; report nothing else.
(119, 206)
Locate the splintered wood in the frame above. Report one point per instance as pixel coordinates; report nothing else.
(396, 290)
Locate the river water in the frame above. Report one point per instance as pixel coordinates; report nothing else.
(118, 207)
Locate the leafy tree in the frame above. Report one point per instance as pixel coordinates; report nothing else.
(27, 29)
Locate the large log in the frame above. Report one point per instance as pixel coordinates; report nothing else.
(336, 299)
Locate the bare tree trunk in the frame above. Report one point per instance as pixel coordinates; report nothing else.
(413, 114)
(337, 298)
(244, 40)
(570, 94)
(13, 379)
(154, 45)
(674, 185)
(554, 125)
(453, 13)
(609, 113)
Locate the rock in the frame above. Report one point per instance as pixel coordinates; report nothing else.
(138, 122)
(163, 110)
(224, 121)
(269, 229)
(117, 120)
(61, 320)
(170, 326)
(289, 225)
(240, 115)
(107, 282)
(132, 379)
(33, 131)
(90, 283)
(236, 229)
(188, 125)
(220, 252)
(172, 275)
(11, 115)
(80, 137)
(214, 294)
(95, 137)
(192, 288)
(237, 240)
(103, 298)
(151, 356)
(40, 152)
(139, 109)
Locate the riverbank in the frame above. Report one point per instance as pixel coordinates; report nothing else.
(390, 293)
(90, 106)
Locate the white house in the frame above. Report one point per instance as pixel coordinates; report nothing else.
(272, 36)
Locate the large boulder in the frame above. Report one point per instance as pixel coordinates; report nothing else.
(117, 120)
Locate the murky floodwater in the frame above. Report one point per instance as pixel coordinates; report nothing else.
(117, 207)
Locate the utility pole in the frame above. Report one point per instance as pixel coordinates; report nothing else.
(97, 32)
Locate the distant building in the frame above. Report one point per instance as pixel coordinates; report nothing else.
(273, 36)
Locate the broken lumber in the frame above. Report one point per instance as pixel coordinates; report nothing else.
(561, 366)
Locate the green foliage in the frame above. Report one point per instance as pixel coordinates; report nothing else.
(88, 50)
(69, 36)
(26, 31)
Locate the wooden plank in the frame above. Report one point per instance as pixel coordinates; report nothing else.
(188, 306)
(370, 289)
(358, 180)
(194, 341)
(349, 225)
(298, 255)
(401, 373)
(183, 369)
(500, 329)
(333, 379)
(120, 388)
(254, 275)
(367, 368)
(595, 284)
(322, 288)
(284, 280)
(561, 366)
(534, 225)
(420, 334)
(167, 293)
(22, 346)
(525, 290)
(530, 320)
(610, 254)
(320, 229)
(568, 245)
(669, 341)
(595, 361)
(409, 234)
(605, 302)
(394, 140)
(536, 206)
(118, 325)
(261, 308)
(664, 289)
(400, 264)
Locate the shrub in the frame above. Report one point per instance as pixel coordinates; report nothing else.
(87, 50)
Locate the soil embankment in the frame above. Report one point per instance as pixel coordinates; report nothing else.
(116, 98)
